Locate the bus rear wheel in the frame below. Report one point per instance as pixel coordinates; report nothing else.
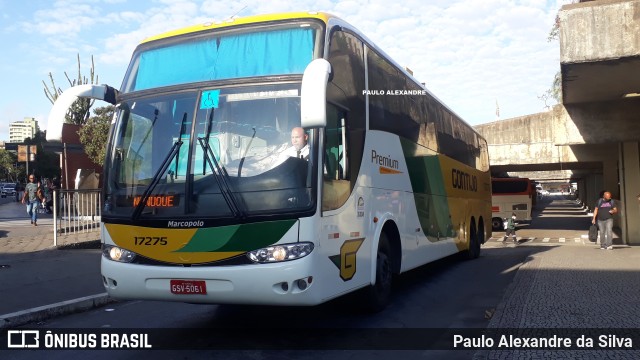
(496, 223)
(378, 295)
(474, 244)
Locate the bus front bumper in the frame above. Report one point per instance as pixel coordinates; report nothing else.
(284, 283)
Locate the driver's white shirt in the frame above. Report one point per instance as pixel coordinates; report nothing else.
(292, 152)
(253, 166)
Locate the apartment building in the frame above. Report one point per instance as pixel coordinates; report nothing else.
(20, 130)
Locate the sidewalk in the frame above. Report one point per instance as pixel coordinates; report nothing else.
(572, 287)
(17, 235)
(39, 280)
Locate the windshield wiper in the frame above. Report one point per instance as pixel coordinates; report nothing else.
(245, 152)
(207, 134)
(175, 149)
(219, 172)
(221, 176)
(156, 114)
(156, 178)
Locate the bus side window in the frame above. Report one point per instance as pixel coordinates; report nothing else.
(336, 170)
(335, 145)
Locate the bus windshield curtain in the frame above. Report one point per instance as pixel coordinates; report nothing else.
(177, 64)
(254, 54)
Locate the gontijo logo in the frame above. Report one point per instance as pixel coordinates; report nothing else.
(387, 165)
(463, 181)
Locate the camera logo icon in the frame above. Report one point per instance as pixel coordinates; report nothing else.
(23, 339)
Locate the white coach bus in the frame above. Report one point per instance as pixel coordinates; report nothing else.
(200, 207)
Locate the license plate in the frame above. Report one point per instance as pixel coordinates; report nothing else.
(188, 287)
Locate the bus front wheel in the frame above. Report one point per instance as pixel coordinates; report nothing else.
(379, 294)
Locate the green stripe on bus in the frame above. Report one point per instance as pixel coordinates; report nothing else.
(429, 190)
(244, 237)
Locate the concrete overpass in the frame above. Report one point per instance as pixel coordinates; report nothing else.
(593, 137)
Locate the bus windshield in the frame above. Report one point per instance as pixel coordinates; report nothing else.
(221, 152)
(510, 186)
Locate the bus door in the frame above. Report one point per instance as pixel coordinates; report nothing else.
(342, 234)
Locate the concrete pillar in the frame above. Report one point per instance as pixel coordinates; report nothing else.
(582, 192)
(610, 177)
(610, 182)
(593, 187)
(629, 191)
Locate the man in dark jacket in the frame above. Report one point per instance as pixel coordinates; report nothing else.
(605, 209)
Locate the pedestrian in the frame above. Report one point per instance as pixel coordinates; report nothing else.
(603, 213)
(510, 229)
(30, 198)
(54, 188)
(46, 202)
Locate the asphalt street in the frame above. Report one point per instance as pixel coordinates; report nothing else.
(563, 282)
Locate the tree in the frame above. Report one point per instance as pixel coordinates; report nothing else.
(79, 110)
(555, 92)
(46, 163)
(556, 89)
(555, 30)
(8, 160)
(94, 134)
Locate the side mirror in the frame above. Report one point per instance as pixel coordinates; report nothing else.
(313, 96)
(67, 98)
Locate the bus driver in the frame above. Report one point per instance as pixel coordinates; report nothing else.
(299, 147)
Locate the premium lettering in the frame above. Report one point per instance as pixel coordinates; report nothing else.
(385, 161)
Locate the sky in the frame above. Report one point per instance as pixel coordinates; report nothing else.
(485, 59)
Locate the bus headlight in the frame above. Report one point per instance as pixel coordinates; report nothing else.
(118, 254)
(282, 252)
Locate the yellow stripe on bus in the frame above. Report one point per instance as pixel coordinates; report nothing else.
(241, 21)
(162, 244)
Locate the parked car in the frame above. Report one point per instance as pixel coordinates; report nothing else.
(8, 189)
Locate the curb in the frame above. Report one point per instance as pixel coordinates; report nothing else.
(87, 244)
(45, 312)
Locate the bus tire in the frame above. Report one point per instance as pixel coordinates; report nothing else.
(378, 296)
(496, 223)
(473, 252)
